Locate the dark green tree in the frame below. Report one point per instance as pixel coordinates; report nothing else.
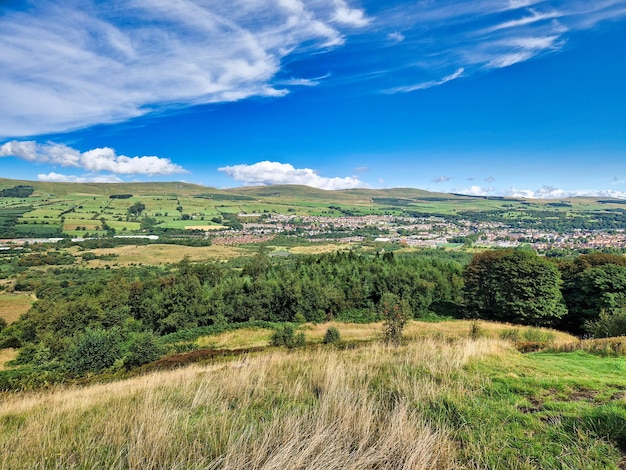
(136, 209)
(94, 350)
(515, 286)
(595, 289)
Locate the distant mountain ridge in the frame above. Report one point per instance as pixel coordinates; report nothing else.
(300, 193)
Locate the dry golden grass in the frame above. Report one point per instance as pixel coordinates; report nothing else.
(163, 254)
(321, 248)
(416, 329)
(13, 305)
(349, 331)
(461, 328)
(314, 333)
(238, 339)
(304, 409)
(7, 355)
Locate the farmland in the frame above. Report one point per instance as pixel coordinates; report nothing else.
(208, 344)
(84, 210)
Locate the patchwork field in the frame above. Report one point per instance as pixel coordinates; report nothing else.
(80, 209)
(13, 305)
(161, 254)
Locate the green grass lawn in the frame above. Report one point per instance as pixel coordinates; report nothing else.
(541, 410)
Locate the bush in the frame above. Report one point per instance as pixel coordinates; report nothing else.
(332, 335)
(299, 318)
(94, 350)
(10, 342)
(395, 314)
(529, 335)
(511, 335)
(3, 324)
(475, 330)
(285, 335)
(143, 348)
(608, 324)
(537, 335)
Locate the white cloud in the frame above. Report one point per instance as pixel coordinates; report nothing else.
(396, 36)
(68, 65)
(473, 190)
(544, 192)
(423, 86)
(95, 160)
(442, 179)
(349, 16)
(270, 173)
(490, 179)
(551, 192)
(59, 178)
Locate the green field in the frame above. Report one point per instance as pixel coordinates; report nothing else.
(67, 206)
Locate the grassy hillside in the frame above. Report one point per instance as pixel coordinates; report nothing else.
(79, 209)
(432, 403)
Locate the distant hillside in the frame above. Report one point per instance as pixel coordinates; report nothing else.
(43, 209)
(105, 189)
(293, 193)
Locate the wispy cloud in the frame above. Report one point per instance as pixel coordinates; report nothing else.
(422, 86)
(442, 179)
(472, 36)
(490, 179)
(67, 65)
(94, 161)
(270, 173)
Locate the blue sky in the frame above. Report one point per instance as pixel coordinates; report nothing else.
(487, 97)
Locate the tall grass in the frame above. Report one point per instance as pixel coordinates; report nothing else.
(314, 409)
(431, 403)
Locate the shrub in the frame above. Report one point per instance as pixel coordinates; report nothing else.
(608, 324)
(395, 314)
(143, 348)
(332, 335)
(10, 342)
(299, 318)
(537, 335)
(94, 350)
(475, 330)
(511, 335)
(285, 335)
(3, 324)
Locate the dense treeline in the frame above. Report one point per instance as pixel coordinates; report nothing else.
(89, 320)
(19, 191)
(557, 221)
(110, 310)
(586, 294)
